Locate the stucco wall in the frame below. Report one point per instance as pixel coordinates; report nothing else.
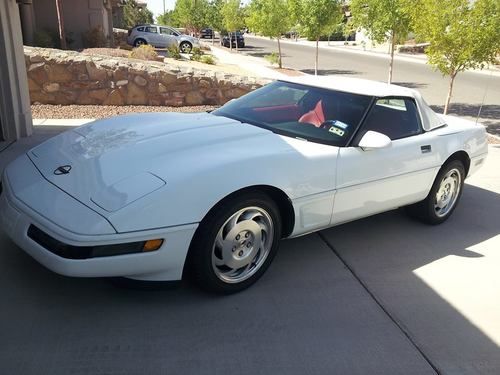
(66, 77)
(79, 16)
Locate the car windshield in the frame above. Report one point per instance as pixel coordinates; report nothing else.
(299, 111)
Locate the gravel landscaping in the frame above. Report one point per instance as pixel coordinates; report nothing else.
(45, 111)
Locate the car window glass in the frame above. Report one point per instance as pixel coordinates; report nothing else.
(151, 29)
(165, 31)
(395, 117)
(281, 96)
(300, 111)
(140, 29)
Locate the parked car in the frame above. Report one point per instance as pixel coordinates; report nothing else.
(236, 37)
(150, 196)
(207, 33)
(161, 37)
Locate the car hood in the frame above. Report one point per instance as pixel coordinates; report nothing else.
(111, 163)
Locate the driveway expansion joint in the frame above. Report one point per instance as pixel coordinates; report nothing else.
(398, 324)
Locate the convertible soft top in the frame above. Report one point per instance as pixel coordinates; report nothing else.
(430, 120)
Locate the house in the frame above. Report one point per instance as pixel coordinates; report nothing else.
(79, 17)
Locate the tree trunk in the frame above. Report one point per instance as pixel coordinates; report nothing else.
(231, 42)
(450, 90)
(391, 63)
(60, 23)
(316, 61)
(213, 37)
(279, 53)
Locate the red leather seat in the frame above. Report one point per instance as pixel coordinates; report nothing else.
(315, 116)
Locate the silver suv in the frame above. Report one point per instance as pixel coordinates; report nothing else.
(161, 37)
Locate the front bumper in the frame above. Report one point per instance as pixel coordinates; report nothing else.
(166, 263)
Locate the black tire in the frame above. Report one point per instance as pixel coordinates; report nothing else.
(425, 210)
(203, 245)
(139, 42)
(185, 47)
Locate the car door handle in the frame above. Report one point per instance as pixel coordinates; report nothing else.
(425, 149)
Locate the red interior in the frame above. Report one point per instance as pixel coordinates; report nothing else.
(315, 116)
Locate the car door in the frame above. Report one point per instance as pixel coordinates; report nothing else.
(168, 37)
(377, 180)
(153, 38)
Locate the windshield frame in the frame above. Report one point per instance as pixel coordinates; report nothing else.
(347, 143)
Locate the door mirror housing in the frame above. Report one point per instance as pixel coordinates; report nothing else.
(374, 140)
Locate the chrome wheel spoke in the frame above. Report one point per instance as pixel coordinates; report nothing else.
(242, 244)
(448, 192)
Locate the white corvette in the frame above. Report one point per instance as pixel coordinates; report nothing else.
(149, 196)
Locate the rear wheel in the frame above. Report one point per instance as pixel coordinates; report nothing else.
(139, 42)
(443, 197)
(235, 243)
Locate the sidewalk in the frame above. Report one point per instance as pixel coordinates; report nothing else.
(258, 66)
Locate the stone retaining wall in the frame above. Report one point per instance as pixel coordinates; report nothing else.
(67, 77)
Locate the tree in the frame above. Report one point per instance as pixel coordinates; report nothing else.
(214, 16)
(166, 18)
(191, 14)
(233, 20)
(462, 34)
(383, 20)
(270, 18)
(134, 15)
(317, 18)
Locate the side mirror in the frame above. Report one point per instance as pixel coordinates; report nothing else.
(374, 140)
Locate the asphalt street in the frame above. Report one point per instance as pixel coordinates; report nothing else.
(383, 295)
(469, 90)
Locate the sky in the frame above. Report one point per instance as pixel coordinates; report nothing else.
(156, 6)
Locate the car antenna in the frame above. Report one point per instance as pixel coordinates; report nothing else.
(484, 96)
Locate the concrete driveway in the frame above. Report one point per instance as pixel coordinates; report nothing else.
(384, 295)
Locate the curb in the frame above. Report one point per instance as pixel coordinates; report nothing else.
(61, 121)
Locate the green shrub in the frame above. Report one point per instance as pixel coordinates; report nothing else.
(174, 52)
(207, 59)
(94, 38)
(196, 54)
(273, 58)
(47, 39)
(144, 52)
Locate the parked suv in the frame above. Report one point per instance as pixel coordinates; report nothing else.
(236, 37)
(207, 33)
(161, 37)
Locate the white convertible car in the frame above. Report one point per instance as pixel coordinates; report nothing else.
(150, 196)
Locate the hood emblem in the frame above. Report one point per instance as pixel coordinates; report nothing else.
(63, 169)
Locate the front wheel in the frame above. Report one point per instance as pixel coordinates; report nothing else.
(235, 243)
(443, 197)
(185, 47)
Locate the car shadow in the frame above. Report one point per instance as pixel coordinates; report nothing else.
(389, 253)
